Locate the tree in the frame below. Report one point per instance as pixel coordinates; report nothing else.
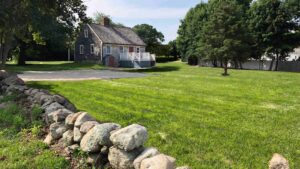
(98, 18)
(37, 21)
(190, 31)
(150, 35)
(275, 29)
(224, 33)
(173, 51)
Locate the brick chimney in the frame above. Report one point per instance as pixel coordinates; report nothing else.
(105, 21)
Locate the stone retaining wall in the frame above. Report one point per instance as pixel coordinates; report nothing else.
(108, 145)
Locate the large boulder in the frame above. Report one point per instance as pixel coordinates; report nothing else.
(105, 130)
(147, 153)
(98, 135)
(160, 161)
(49, 140)
(58, 115)
(13, 80)
(87, 126)
(67, 138)
(83, 117)
(121, 159)
(77, 135)
(53, 107)
(59, 99)
(3, 74)
(44, 98)
(16, 88)
(130, 137)
(71, 119)
(278, 162)
(57, 130)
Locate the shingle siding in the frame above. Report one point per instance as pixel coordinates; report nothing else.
(86, 42)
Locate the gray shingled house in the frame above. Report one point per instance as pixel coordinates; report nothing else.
(112, 46)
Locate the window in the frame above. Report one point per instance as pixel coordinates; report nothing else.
(81, 49)
(108, 49)
(137, 50)
(86, 33)
(121, 48)
(92, 49)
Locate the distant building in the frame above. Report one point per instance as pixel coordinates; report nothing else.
(295, 55)
(112, 46)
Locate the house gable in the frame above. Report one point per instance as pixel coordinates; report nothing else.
(92, 54)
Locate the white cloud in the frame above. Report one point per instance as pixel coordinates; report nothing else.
(125, 10)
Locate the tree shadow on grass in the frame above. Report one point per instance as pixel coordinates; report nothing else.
(38, 85)
(155, 69)
(52, 67)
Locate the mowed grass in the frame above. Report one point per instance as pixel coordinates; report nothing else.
(20, 147)
(201, 118)
(51, 66)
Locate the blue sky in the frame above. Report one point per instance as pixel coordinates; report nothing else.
(164, 15)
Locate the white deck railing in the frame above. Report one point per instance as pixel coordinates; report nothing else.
(145, 56)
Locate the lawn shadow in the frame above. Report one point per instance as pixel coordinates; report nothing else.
(52, 67)
(155, 69)
(38, 85)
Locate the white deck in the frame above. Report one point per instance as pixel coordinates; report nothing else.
(133, 56)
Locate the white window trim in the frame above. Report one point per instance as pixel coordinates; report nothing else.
(81, 49)
(110, 51)
(86, 33)
(92, 48)
(121, 51)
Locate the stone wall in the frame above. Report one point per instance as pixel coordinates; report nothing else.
(108, 145)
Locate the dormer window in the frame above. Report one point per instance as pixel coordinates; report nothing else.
(86, 33)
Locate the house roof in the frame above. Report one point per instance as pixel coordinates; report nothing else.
(117, 35)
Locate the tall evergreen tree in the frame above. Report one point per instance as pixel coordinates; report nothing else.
(225, 33)
(275, 29)
(189, 33)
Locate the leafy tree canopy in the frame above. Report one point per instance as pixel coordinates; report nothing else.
(150, 35)
(37, 20)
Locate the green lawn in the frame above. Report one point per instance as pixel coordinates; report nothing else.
(51, 66)
(203, 119)
(20, 147)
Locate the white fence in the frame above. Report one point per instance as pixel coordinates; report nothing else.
(133, 56)
(290, 66)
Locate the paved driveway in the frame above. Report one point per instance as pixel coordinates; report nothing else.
(76, 75)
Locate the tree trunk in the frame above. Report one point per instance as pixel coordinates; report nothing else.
(241, 65)
(271, 65)
(215, 63)
(225, 68)
(1, 49)
(277, 62)
(22, 55)
(236, 65)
